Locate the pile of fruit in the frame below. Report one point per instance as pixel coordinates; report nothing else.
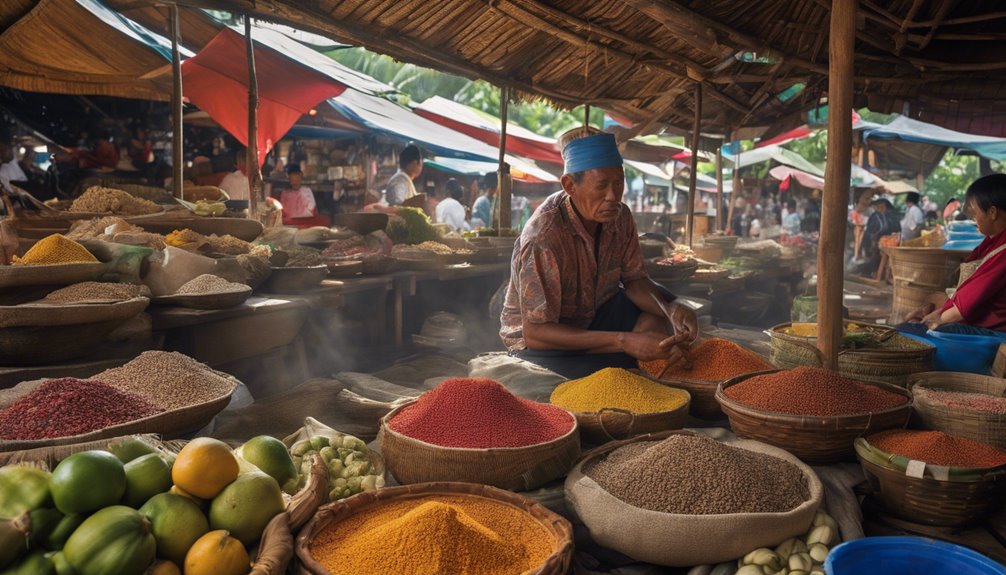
(135, 507)
(797, 556)
(350, 467)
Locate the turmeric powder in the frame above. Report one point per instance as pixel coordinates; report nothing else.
(713, 360)
(434, 535)
(620, 389)
(55, 249)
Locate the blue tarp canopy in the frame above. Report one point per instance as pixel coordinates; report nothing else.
(909, 130)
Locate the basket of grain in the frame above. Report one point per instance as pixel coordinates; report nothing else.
(932, 478)
(962, 404)
(207, 291)
(709, 363)
(813, 413)
(614, 404)
(158, 392)
(433, 527)
(475, 430)
(680, 499)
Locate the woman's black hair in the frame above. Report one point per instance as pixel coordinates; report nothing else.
(912, 198)
(988, 191)
(410, 153)
(454, 189)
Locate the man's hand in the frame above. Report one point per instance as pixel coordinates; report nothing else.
(648, 346)
(684, 322)
(934, 319)
(919, 314)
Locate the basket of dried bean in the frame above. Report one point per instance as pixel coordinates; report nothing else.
(708, 364)
(933, 478)
(963, 404)
(678, 498)
(813, 413)
(158, 392)
(615, 404)
(475, 430)
(445, 527)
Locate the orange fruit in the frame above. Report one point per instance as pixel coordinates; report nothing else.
(217, 553)
(204, 467)
(163, 568)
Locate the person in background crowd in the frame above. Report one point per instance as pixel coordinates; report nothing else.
(791, 219)
(915, 218)
(950, 210)
(882, 222)
(10, 170)
(432, 201)
(482, 209)
(450, 211)
(298, 200)
(103, 154)
(928, 205)
(400, 186)
(236, 182)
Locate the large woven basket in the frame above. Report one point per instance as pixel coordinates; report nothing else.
(987, 428)
(931, 501)
(515, 468)
(49, 274)
(703, 403)
(169, 424)
(43, 315)
(925, 267)
(814, 439)
(611, 424)
(673, 273)
(895, 360)
(561, 532)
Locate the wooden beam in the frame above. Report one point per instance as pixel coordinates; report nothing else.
(941, 14)
(256, 200)
(671, 97)
(901, 37)
(177, 137)
(693, 174)
(719, 187)
(834, 204)
(962, 20)
(736, 189)
(503, 173)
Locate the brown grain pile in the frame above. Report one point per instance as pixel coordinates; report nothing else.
(301, 257)
(99, 228)
(96, 291)
(169, 380)
(692, 475)
(209, 283)
(99, 199)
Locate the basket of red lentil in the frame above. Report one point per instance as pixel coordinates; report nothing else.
(813, 413)
(474, 430)
(963, 404)
(933, 478)
(158, 392)
(710, 363)
(445, 527)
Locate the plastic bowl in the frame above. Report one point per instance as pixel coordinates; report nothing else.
(907, 556)
(961, 352)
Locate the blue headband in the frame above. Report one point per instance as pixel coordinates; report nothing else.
(596, 151)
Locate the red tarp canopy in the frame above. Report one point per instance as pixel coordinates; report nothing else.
(216, 80)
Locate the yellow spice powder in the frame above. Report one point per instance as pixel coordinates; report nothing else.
(56, 249)
(619, 389)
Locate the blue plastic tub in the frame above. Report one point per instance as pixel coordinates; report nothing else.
(962, 226)
(961, 245)
(907, 556)
(960, 352)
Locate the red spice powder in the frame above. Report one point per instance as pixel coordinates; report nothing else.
(69, 406)
(813, 391)
(937, 448)
(480, 413)
(712, 360)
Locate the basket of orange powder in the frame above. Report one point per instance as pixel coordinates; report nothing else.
(445, 527)
(708, 364)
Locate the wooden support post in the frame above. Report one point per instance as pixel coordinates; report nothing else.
(834, 206)
(177, 139)
(586, 115)
(735, 190)
(719, 187)
(256, 203)
(696, 126)
(503, 192)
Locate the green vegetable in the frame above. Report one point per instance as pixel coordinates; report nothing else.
(418, 225)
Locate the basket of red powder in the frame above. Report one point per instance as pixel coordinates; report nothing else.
(475, 430)
(933, 478)
(710, 363)
(813, 413)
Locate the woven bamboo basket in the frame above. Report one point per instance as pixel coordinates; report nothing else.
(39, 315)
(215, 300)
(49, 274)
(48, 457)
(932, 501)
(611, 424)
(980, 426)
(169, 424)
(908, 297)
(674, 273)
(514, 468)
(814, 439)
(560, 531)
(925, 267)
(895, 360)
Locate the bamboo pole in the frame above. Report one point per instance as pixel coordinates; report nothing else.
(719, 186)
(177, 138)
(255, 197)
(735, 191)
(690, 211)
(834, 205)
(503, 191)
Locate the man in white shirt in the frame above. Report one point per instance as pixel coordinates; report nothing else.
(10, 170)
(236, 182)
(450, 211)
(400, 186)
(911, 224)
(298, 201)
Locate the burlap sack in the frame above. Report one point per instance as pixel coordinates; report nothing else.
(685, 540)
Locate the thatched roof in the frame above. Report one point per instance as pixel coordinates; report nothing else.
(944, 59)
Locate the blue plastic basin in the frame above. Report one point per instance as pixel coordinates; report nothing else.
(907, 556)
(961, 352)
(961, 245)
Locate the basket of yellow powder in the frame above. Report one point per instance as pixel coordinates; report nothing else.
(436, 528)
(54, 260)
(615, 404)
